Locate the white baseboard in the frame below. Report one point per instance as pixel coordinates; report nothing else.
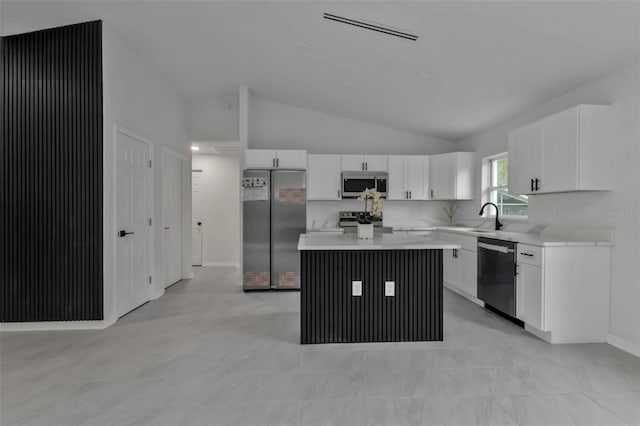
(464, 294)
(234, 264)
(542, 335)
(625, 345)
(56, 325)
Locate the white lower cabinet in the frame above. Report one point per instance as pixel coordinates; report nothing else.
(450, 267)
(468, 271)
(562, 292)
(460, 266)
(530, 295)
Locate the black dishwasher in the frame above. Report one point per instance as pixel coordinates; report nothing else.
(497, 274)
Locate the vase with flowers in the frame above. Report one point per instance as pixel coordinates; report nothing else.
(371, 210)
(450, 210)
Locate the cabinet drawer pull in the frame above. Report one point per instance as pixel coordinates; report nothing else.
(526, 254)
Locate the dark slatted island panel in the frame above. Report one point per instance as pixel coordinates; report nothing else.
(331, 314)
(51, 175)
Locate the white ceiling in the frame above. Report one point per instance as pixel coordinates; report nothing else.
(485, 61)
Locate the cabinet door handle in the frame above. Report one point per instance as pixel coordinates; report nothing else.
(526, 254)
(432, 193)
(366, 165)
(273, 162)
(531, 184)
(410, 196)
(537, 184)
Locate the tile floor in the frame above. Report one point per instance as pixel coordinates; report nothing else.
(208, 354)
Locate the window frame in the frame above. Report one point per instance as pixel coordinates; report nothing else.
(487, 189)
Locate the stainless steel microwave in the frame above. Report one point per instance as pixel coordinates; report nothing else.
(353, 183)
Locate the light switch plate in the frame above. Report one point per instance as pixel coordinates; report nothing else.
(389, 288)
(356, 288)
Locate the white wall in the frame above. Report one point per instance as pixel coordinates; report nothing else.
(620, 89)
(281, 126)
(139, 100)
(213, 120)
(220, 190)
(397, 213)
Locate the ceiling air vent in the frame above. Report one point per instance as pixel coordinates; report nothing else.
(371, 26)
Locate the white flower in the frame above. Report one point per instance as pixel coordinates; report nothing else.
(376, 201)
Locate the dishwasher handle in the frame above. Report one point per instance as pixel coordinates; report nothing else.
(494, 247)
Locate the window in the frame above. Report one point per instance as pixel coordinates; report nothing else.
(496, 184)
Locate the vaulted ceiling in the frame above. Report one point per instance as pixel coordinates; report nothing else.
(474, 63)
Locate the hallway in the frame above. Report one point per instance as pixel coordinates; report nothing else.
(207, 353)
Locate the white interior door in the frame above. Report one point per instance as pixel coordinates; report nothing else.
(196, 221)
(172, 218)
(133, 246)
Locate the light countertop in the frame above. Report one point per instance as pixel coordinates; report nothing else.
(541, 240)
(378, 242)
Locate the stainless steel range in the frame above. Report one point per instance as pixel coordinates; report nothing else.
(349, 222)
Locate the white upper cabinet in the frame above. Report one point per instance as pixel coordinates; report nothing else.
(323, 177)
(451, 176)
(525, 159)
(376, 163)
(408, 177)
(260, 159)
(291, 159)
(276, 159)
(564, 152)
(361, 163)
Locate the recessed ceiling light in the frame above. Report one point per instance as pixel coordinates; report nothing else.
(195, 148)
(346, 84)
(304, 46)
(423, 74)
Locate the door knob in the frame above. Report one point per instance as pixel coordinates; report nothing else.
(199, 223)
(124, 233)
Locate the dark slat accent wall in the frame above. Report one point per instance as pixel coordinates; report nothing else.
(51, 175)
(330, 314)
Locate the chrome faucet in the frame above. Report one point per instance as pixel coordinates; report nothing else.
(498, 224)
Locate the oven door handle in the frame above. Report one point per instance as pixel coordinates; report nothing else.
(493, 247)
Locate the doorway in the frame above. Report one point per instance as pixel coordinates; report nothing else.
(172, 217)
(196, 221)
(133, 221)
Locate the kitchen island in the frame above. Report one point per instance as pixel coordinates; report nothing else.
(384, 289)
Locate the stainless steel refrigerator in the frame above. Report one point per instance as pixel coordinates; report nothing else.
(274, 216)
